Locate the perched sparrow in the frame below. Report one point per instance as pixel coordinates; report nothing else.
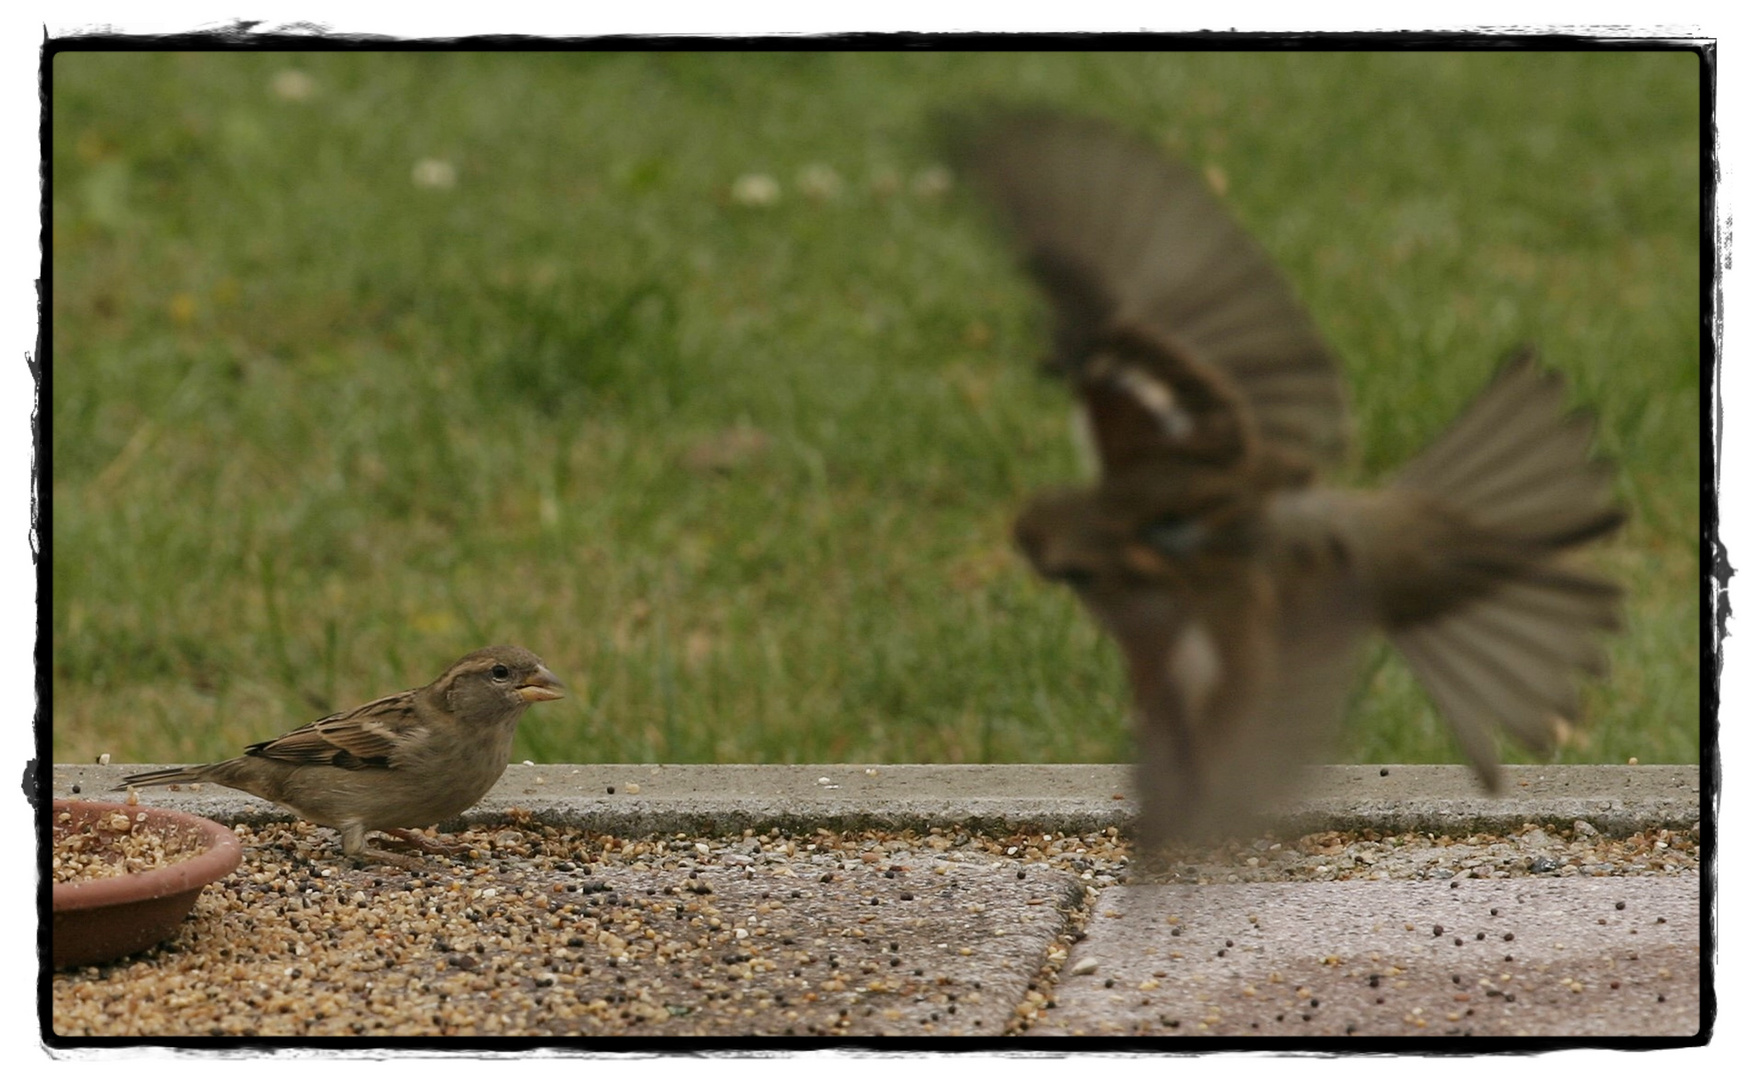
(1238, 588)
(401, 762)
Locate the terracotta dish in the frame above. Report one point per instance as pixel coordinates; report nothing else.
(98, 919)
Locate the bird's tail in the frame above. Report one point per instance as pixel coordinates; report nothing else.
(189, 775)
(1515, 469)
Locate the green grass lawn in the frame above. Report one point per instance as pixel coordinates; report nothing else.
(363, 361)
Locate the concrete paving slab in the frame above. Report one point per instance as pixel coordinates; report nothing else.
(1569, 957)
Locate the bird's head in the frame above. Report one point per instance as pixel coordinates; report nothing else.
(497, 683)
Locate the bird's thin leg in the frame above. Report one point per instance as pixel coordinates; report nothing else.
(353, 846)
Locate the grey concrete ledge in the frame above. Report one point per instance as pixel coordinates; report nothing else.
(645, 799)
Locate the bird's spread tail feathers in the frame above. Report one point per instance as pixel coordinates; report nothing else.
(1515, 470)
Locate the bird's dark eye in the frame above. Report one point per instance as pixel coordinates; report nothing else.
(501, 673)
(1174, 535)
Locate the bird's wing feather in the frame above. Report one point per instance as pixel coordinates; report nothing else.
(1118, 234)
(374, 735)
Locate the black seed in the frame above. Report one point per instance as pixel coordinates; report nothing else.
(611, 789)
(1509, 937)
(1437, 930)
(1619, 906)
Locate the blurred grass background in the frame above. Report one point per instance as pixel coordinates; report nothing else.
(361, 361)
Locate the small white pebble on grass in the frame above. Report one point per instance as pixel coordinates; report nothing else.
(292, 85)
(754, 189)
(434, 173)
(103, 759)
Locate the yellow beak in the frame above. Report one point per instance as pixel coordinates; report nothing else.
(540, 686)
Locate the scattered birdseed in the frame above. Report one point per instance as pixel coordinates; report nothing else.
(546, 930)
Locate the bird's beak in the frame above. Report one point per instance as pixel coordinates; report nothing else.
(540, 686)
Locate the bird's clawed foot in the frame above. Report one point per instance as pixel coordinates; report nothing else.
(407, 838)
(418, 840)
(406, 862)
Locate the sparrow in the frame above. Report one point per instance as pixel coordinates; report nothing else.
(401, 762)
(1238, 586)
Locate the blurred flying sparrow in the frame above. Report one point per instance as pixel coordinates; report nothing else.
(401, 762)
(1237, 588)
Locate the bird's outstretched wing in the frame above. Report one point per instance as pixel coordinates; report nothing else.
(1129, 244)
